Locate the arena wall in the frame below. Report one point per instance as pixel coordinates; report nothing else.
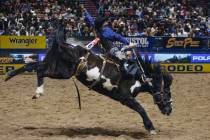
(179, 55)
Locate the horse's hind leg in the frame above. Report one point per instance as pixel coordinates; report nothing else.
(131, 102)
(29, 66)
(40, 82)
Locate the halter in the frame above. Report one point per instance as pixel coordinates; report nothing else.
(162, 98)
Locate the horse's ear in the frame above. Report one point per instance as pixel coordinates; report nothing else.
(148, 64)
(157, 68)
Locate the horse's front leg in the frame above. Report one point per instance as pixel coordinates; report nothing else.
(129, 101)
(134, 105)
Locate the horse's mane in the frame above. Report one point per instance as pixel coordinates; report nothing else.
(149, 67)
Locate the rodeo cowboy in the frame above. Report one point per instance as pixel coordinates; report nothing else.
(107, 36)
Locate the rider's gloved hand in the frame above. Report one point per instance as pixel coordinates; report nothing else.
(131, 45)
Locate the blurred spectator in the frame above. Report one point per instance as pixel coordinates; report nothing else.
(179, 18)
(176, 18)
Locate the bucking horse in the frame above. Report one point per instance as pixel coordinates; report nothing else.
(105, 76)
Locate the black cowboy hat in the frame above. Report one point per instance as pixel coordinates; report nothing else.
(99, 21)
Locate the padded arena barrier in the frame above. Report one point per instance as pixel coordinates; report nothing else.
(176, 55)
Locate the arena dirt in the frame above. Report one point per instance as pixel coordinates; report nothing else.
(56, 116)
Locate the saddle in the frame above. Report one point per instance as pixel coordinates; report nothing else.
(133, 69)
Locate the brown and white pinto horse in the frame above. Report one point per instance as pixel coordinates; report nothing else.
(65, 60)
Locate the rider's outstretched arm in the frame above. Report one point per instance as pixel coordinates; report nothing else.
(89, 19)
(111, 35)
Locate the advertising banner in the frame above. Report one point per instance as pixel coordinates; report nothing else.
(142, 42)
(186, 68)
(200, 58)
(7, 67)
(41, 57)
(166, 44)
(15, 61)
(22, 42)
(6, 60)
(18, 58)
(181, 43)
(4, 68)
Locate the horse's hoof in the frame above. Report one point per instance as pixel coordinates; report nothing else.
(6, 77)
(152, 132)
(34, 97)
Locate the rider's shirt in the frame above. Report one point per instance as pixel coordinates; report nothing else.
(106, 34)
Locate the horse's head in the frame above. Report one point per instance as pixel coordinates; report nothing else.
(164, 102)
(161, 90)
(161, 82)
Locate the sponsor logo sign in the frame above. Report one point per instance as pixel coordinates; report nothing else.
(186, 68)
(8, 67)
(200, 58)
(142, 42)
(182, 42)
(41, 57)
(6, 60)
(22, 42)
(4, 68)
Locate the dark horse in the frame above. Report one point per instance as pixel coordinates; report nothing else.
(64, 60)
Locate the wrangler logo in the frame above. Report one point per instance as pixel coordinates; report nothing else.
(22, 42)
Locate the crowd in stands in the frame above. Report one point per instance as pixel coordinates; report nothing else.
(40, 17)
(176, 18)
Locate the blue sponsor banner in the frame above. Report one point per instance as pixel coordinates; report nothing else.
(142, 42)
(200, 58)
(168, 44)
(41, 57)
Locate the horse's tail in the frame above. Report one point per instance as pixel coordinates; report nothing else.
(60, 33)
(29, 66)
